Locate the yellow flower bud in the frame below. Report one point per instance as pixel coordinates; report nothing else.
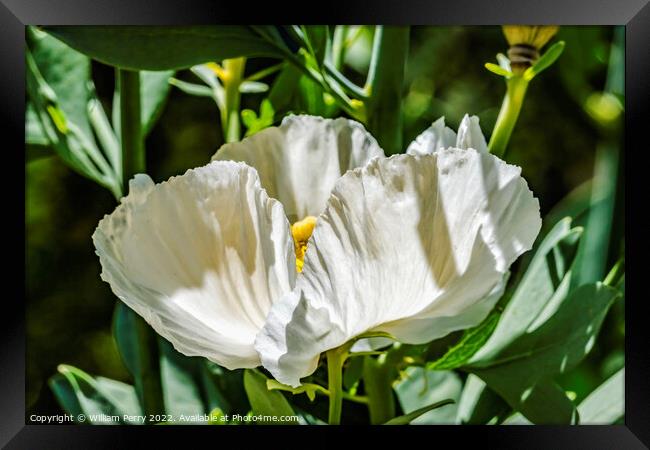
(525, 43)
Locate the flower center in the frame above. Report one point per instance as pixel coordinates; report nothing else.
(301, 232)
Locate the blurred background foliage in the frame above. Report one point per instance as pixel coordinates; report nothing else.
(566, 121)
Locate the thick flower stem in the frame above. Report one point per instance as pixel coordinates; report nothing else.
(377, 379)
(510, 108)
(335, 359)
(147, 375)
(234, 72)
(133, 155)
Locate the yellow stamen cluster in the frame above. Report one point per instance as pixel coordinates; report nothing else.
(301, 232)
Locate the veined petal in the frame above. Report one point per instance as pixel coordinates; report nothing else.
(201, 258)
(434, 138)
(416, 246)
(300, 161)
(438, 137)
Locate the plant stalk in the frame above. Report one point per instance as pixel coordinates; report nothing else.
(335, 359)
(234, 69)
(515, 93)
(377, 379)
(133, 162)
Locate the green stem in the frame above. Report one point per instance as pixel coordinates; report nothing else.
(234, 69)
(510, 108)
(335, 359)
(133, 155)
(378, 379)
(133, 161)
(338, 45)
(384, 86)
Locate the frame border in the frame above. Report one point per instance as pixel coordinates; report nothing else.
(634, 14)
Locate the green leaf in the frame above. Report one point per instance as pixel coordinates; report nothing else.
(253, 87)
(385, 86)
(352, 372)
(67, 73)
(309, 389)
(408, 418)
(498, 70)
(77, 149)
(520, 371)
(225, 388)
(180, 384)
(253, 122)
(478, 404)
(593, 252)
(471, 341)
(263, 401)
(191, 88)
(544, 283)
(164, 47)
(154, 89)
(420, 388)
(606, 404)
(101, 400)
(545, 61)
(138, 347)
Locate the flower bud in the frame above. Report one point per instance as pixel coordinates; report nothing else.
(525, 43)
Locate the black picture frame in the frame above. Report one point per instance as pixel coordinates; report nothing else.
(16, 14)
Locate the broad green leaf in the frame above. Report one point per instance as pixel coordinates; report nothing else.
(164, 47)
(520, 372)
(478, 404)
(575, 205)
(263, 401)
(545, 281)
(180, 384)
(545, 61)
(102, 401)
(154, 89)
(606, 404)
(225, 388)
(138, 347)
(67, 72)
(352, 372)
(308, 389)
(316, 38)
(410, 417)
(420, 388)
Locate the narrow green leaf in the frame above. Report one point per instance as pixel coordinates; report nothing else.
(102, 401)
(163, 47)
(545, 61)
(263, 401)
(253, 87)
(498, 70)
(420, 388)
(408, 418)
(191, 88)
(606, 404)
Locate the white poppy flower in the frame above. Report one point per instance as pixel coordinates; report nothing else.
(203, 256)
(413, 245)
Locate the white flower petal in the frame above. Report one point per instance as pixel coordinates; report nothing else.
(434, 138)
(423, 239)
(470, 134)
(300, 161)
(438, 137)
(201, 258)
